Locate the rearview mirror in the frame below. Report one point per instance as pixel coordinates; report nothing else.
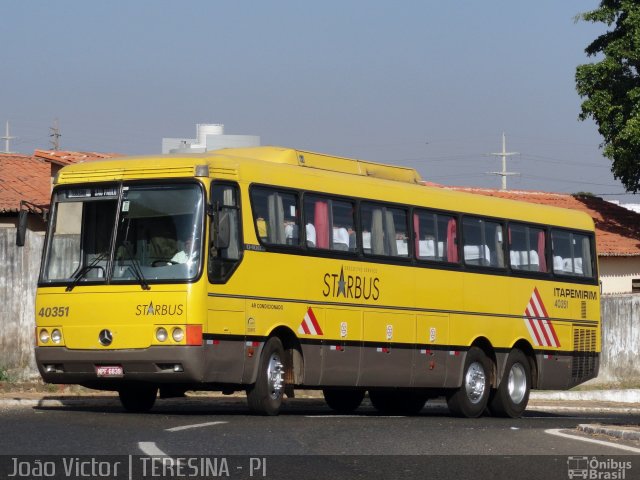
(21, 232)
(221, 230)
(224, 230)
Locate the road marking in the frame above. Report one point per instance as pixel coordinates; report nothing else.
(568, 417)
(558, 432)
(196, 425)
(151, 449)
(365, 415)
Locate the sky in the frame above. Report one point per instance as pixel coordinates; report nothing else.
(426, 84)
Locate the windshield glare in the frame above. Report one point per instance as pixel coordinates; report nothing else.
(157, 234)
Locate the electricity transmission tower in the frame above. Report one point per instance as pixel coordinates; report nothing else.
(55, 135)
(504, 154)
(7, 139)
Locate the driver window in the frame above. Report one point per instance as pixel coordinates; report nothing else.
(225, 248)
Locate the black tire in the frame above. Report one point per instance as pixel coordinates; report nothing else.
(511, 397)
(138, 398)
(343, 401)
(397, 402)
(265, 396)
(471, 398)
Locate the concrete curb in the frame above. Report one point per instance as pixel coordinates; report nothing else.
(617, 396)
(624, 433)
(57, 402)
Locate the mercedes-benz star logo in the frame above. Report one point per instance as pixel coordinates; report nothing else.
(105, 337)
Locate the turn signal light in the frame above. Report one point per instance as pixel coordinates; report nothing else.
(194, 334)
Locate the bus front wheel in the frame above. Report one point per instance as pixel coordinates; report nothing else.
(512, 395)
(343, 401)
(265, 396)
(138, 398)
(471, 398)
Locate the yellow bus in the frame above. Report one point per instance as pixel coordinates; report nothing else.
(269, 269)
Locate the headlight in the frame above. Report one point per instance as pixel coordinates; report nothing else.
(177, 334)
(161, 334)
(44, 336)
(56, 336)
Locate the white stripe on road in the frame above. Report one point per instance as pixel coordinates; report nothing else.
(196, 425)
(558, 432)
(354, 416)
(151, 449)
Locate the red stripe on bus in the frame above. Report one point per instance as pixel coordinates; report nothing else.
(532, 322)
(314, 321)
(304, 327)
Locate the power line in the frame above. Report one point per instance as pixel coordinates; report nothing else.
(564, 180)
(559, 161)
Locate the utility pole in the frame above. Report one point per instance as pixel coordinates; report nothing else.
(504, 154)
(55, 134)
(7, 138)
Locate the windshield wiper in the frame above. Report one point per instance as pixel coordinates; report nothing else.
(84, 270)
(135, 266)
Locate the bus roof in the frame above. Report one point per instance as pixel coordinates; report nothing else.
(329, 174)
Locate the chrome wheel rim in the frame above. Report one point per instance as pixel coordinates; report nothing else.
(275, 376)
(517, 384)
(475, 382)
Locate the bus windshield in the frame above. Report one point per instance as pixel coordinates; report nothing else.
(134, 233)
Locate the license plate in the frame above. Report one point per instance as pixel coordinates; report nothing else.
(109, 371)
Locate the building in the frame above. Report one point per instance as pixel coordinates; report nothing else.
(24, 178)
(208, 137)
(26, 181)
(629, 206)
(61, 158)
(617, 233)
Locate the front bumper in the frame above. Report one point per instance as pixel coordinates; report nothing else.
(153, 364)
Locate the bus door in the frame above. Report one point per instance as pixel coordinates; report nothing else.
(225, 329)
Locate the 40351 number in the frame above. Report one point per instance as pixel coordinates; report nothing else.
(54, 312)
(561, 303)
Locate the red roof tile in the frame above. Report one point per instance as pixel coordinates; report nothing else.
(617, 229)
(23, 177)
(60, 157)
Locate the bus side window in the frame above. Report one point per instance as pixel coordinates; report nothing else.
(275, 214)
(329, 223)
(527, 248)
(571, 253)
(387, 226)
(435, 237)
(483, 242)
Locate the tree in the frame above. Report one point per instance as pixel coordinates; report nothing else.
(611, 86)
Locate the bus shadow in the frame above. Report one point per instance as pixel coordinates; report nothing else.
(233, 406)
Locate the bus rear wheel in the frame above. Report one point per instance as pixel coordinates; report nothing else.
(343, 401)
(471, 398)
(512, 395)
(397, 402)
(265, 396)
(138, 398)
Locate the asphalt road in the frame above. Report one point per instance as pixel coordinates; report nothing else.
(308, 441)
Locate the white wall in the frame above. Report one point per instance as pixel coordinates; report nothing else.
(616, 273)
